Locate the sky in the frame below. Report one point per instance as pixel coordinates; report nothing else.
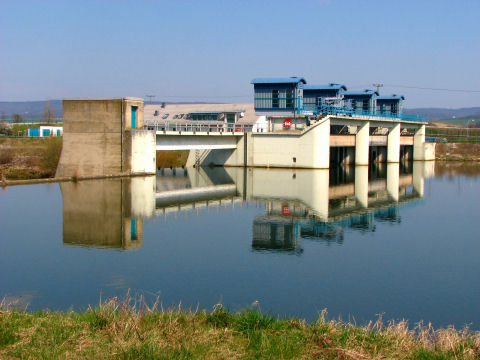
(210, 50)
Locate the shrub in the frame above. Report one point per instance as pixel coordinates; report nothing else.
(51, 154)
(6, 156)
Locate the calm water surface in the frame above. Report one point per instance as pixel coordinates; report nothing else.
(402, 241)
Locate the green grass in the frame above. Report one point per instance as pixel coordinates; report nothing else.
(463, 121)
(132, 330)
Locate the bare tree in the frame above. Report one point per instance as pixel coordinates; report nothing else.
(17, 118)
(48, 113)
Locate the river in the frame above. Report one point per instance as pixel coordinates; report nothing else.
(398, 240)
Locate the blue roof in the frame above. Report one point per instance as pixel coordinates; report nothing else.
(391, 97)
(331, 86)
(362, 92)
(290, 80)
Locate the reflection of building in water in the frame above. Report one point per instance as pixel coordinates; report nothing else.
(314, 204)
(356, 199)
(107, 213)
(270, 233)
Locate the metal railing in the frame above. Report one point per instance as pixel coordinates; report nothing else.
(448, 138)
(192, 127)
(356, 112)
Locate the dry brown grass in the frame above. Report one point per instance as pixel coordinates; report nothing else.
(457, 151)
(131, 329)
(29, 158)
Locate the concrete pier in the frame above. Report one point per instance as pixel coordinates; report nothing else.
(419, 144)
(362, 144)
(393, 144)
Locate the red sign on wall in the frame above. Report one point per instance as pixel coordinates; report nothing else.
(286, 210)
(287, 123)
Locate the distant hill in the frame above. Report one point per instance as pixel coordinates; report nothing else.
(31, 110)
(436, 114)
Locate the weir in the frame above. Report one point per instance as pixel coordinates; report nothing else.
(109, 137)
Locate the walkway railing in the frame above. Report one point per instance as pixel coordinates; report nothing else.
(444, 138)
(351, 112)
(191, 127)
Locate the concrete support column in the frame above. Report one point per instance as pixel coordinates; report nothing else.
(419, 144)
(362, 144)
(418, 178)
(393, 144)
(361, 185)
(393, 177)
(321, 159)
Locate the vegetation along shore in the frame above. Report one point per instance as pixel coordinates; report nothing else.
(126, 330)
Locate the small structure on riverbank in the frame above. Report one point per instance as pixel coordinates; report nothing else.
(105, 137)
(44, 131)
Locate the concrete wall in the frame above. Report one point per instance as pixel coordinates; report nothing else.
(95, 141)
(127, 108)
(310, 149)
(429, 151)
(140, 152)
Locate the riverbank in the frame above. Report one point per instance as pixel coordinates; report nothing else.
(26, 159)
(457, 152)
(122, 330)
(29, 158)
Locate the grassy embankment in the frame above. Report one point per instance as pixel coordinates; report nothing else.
(29, 158)
(122, 330)
(37, 158)
(457, 152)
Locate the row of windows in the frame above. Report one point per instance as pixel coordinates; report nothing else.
(204, 117)
(211, 117)
(288, 98)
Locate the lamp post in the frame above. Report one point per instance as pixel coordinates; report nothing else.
(468, 126)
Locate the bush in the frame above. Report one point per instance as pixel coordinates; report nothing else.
(6, 156)
(5, 129)
(51, 154)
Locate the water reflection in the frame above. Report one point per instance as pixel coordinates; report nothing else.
(299, 204)
(107, 214)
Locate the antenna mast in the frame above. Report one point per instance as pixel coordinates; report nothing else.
(150, 97)
(378, 86)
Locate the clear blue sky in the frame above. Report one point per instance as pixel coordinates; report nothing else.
(210, 50)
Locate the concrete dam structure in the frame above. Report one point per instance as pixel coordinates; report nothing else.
(318, 127)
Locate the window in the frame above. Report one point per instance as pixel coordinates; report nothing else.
(394, 109)
(230, 118)
(366, 104)
(289, 100)
(204, 117)
(275, 100)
